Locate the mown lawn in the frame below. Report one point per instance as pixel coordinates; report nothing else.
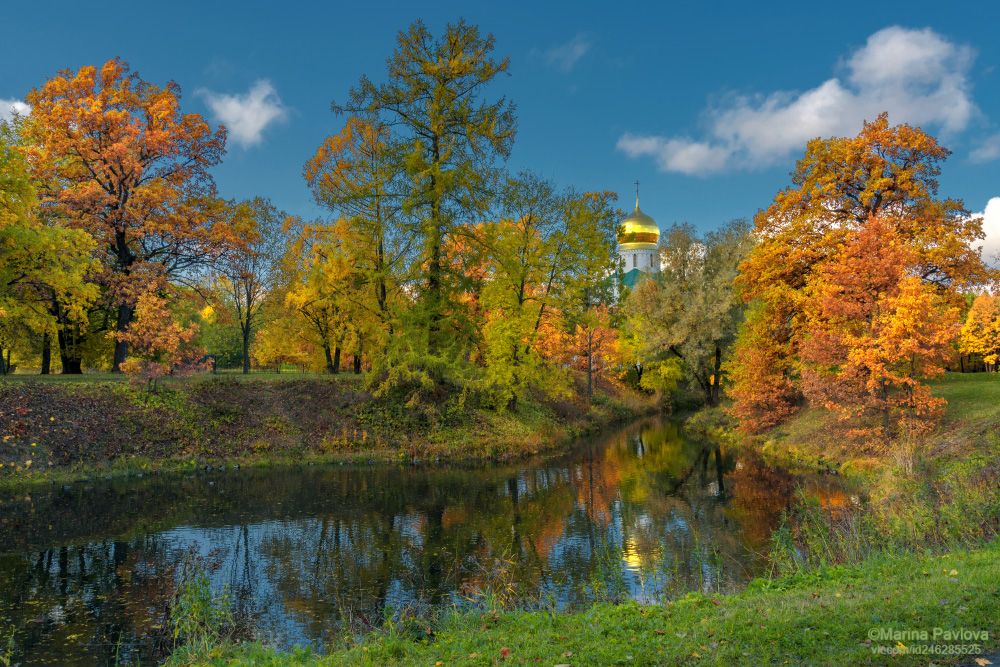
(971, 415)
(973, 406)
(827, 617)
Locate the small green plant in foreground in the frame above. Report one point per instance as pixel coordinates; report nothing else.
(197, 617)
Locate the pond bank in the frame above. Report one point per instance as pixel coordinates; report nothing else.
(309, 554)
(60, 432)
(844, 615)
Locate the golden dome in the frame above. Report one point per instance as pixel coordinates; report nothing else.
(638, 230)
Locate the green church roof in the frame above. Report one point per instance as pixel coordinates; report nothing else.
(631, 278)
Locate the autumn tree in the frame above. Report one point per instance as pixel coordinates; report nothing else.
(528, 257)
(886, 173)
(691, 310)
(121, 161)
(434, 98)
(323, 287)
(980, 333)
(44, 266)
(762, 383)
(874, 333)
(247, 271)
(359, 175)
(589, 285)
(161, 346)
(283, 338)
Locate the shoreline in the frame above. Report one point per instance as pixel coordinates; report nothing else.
(532, 436)
(844, 614)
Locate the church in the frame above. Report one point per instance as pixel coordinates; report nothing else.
(638, 239)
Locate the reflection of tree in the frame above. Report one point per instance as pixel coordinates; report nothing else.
(74, 604)
(314, 550)
(760, 494)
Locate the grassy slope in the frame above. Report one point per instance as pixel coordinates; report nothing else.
(823, 618)
(972, 414)
(70, 428)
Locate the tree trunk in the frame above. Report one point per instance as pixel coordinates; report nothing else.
(336, 360)
(716, 376)
(246, 349)
(357, 363)
(706, 385)
(4, 362)
(46, 354)
(125, 314)
(71, 362)
(434, 270)
(590, 365)
(329, 358)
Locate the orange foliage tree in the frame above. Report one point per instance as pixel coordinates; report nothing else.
(160, 346)
(872, 332)
(129, 168)
(887, 174)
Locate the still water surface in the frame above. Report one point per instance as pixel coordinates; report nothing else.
(87, 571)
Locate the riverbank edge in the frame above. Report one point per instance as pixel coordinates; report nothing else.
(811, 440)
(545, 439)
(836, 615)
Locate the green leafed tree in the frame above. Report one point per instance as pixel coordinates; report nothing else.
(690, 311)
(528, 261)
(358, 175)
(247, 272)
(435, 97)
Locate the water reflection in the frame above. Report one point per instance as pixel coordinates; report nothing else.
(86, 571)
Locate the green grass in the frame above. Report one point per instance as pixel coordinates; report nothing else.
(821, 618)
(814, 438)
(973, 404)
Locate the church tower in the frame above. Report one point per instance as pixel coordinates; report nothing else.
(638, 236)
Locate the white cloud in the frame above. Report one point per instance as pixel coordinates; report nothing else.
(10, 107)
(684, 156)
(565, 56)
(991, 226)
(918, 76)
(247, 116)
(987, 151)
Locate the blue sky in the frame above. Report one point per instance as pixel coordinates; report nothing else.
(707, 104)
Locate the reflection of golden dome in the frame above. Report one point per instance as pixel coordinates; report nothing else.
(638, 230)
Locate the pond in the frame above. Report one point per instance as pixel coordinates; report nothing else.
(309, 553)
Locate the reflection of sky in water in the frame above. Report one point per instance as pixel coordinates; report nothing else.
(639, 514)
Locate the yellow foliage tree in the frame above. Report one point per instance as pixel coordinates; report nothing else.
(981, 331)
